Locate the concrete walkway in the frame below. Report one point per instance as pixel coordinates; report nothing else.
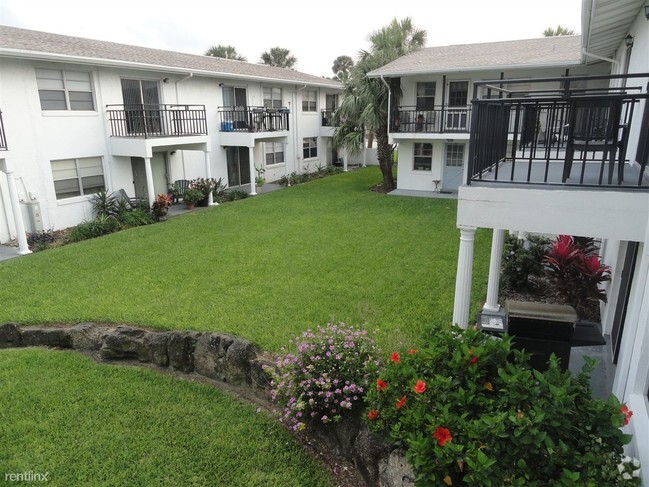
(423, 194)
(7, 252)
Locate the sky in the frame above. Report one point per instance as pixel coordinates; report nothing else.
(315, 32)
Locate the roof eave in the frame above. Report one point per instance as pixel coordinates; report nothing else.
(46, 56)
(377, 73)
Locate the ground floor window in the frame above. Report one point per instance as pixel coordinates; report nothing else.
(310, 147)
(77, 177)
(238, 162)
(274, 153)
(454, 155)
(423, 160)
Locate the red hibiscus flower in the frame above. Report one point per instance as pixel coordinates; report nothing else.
(472, 358)
(381, 385)
(394, 358)
(420, 387)
(442, 435)
(627, 414)
(401, 402)
(373, 414)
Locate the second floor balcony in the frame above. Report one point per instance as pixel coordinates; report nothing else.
(3, 138)
(586, 132)
(154, 121)
(253, 119)
(432, 120)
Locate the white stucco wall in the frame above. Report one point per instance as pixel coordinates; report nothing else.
(38, 137)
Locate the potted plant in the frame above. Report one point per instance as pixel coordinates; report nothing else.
(260, 180)
(191, 197)
(160, 206)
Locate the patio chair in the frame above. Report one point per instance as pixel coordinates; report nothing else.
(133, 202)
(594, 127)
(180, 186)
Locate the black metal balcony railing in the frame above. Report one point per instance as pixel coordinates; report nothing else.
(3, 138)
(150, 121)
(558, 136)
(328, 117)
(440, 119)
(253, 119)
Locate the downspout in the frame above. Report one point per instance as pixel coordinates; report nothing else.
(182, 153)
(295, 145)
(601, 58)
(389, 114)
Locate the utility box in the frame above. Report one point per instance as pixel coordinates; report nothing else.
(542, 329)
(35, 217)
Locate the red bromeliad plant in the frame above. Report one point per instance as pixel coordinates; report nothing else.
(470, 411)
(575, 270)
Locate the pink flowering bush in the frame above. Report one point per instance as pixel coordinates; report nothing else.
(325, 376)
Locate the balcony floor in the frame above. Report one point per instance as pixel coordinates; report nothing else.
(537, 169)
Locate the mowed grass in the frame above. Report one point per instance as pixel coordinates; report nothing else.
(265, 268)
(99, 425)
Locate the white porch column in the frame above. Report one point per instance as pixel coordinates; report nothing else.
(345, 161)
(463, 277)
(497, 240)
(17, 214)
(208, 175)
(253, 172)
(149, 180)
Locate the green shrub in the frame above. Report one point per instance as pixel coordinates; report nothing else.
(104, 204)
(522, 259)
(102, 225)
(470, 411)
(136, 218)
(325, 376)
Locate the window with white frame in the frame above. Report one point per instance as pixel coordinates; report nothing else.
(64, 90)
(274, 153)
(310, 147)
(310, 101)
(454, 155)
(77, 177)
(272, 97)
(426, 95)
(423, 159)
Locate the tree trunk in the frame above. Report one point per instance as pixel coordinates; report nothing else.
(384, 152)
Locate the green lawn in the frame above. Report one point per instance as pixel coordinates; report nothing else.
(265, 268)
(99, 425)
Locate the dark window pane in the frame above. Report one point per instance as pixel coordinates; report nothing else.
(81, 100)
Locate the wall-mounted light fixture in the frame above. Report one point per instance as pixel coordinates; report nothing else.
(220, 85)
(628, 40)
(165, 80)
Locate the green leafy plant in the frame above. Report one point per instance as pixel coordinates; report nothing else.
(102, 225)
(104, 204)
(192, 196)
(260, 180)
(575, 271)
(135, 218)
(470, 411)
(325, 376)
(522, 259)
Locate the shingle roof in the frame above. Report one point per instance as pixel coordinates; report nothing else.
(527, 52)
(14, 40)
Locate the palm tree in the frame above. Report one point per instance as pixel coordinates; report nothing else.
(226, 52)
(278, 56)
(364, 106)
(559, 31)
(341, 67)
